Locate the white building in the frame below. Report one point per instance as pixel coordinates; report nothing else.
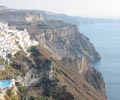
(4, 26)
(12, 82)
(10, 39)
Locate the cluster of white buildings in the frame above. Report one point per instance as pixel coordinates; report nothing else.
(11, 40)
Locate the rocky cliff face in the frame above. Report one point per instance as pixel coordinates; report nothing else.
(69, 42)
(72, 75)
(64, 39)
(34, 69)
(66, 81)
(95, 78)
(90, 74)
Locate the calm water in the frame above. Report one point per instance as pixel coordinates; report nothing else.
(106, 39)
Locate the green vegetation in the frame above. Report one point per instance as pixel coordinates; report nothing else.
(29, 95)
(19, 53)
(34, 51)
(7, 97)
(21, 89)
(10, 94)
(22, 92)
(11, 69)
(42, 98)
(38, 98)
(8, 72)
(2, 75)
(1, 60)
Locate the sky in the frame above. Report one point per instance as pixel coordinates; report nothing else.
(84, 8)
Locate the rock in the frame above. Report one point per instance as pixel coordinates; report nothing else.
(91, 75)
(57, 40)
(62, 36)
(95, 78)
(63, 39)
(67, 41)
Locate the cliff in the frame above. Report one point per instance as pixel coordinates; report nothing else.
(60, 67)
(95, 78)
(63, 37)
(90, 74)
(35, 72)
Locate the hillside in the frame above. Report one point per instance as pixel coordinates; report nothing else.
(36, 70)
(58, 67)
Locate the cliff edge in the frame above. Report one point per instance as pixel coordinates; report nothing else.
(59, 67)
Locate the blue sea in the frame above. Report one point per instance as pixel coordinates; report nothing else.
(106, 39)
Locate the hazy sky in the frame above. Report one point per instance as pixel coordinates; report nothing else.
(87, 8)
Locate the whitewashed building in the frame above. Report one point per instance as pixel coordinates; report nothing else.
(10, 39)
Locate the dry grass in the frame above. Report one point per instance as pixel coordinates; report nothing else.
(76, 84)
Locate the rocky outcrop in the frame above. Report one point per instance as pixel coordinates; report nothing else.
(95, 78)
(67, 41)
(91, 75)
(79, 65)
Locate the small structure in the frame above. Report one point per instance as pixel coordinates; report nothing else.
(12, 82)
(4, 26)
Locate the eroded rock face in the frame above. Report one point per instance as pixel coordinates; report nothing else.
(65, 40)
(34, 69)
(79, 65)
(90, 74)
(68, 42)
(95, 78)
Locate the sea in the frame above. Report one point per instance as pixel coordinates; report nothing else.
(106, 39)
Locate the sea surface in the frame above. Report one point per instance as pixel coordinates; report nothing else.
(106, 39)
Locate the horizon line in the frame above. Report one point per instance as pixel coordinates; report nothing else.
(72, 15)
